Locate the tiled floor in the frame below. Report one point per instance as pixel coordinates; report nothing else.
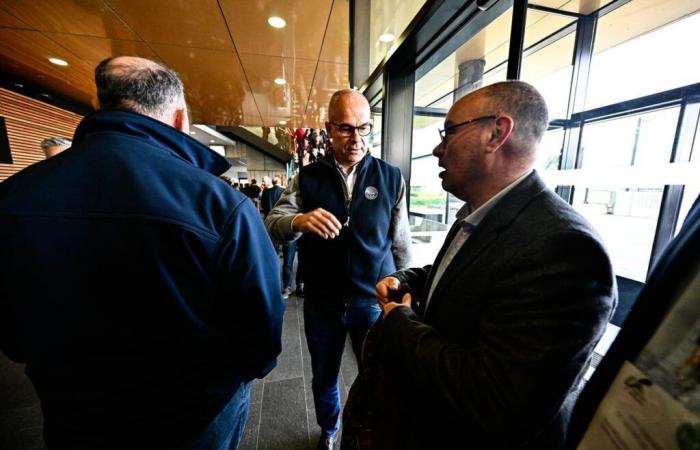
(20, 414)
(281, 410)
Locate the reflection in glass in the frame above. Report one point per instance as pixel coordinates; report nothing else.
(637, 140)
(388, 20)
(549, 151)
(611, 192)
(549, 70)
(626, 219)
(637, 51)
(375, 139)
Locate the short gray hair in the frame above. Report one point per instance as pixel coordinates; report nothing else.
(525, 104)
(54, 141)
(147, 88)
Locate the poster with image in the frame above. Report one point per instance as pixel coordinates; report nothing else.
(654, 401)
(637, 414)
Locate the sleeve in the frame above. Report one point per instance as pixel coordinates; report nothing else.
(400, 231)
(251, 304)
(531, 340)
(279, 221)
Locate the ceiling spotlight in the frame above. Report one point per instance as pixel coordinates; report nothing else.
(283, 122)
(387, 37)
(193, 132)
(58, 61)
(211, 141)
(276, 22)
(280, 81)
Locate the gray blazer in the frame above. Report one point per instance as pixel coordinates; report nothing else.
(496, 359)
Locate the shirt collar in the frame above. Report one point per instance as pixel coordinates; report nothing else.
(475, 218)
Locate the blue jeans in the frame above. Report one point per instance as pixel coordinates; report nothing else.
(226, 430)
(288, 253)
(326, 327)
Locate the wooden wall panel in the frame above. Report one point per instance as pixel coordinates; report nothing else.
(28, 122)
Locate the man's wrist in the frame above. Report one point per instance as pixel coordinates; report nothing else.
(292, 222)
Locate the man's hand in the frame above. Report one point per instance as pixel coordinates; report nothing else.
(320, 222)
(386, 289)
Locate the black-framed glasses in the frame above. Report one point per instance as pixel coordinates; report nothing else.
(348, 130)
(451, 129)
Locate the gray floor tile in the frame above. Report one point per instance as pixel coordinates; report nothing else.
(283, 422)
(16, 391)
(252, 427)
(287, 367)
(256, 392)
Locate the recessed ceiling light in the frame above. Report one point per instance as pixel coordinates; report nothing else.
(193, 132)
(58, 61)
(276, 22)
(280, 81)
(211, 141)
(387, 37)
(283, 122)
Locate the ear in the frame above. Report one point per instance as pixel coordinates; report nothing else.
(500, 132)
(181, 121)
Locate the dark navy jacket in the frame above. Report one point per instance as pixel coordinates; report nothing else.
(269, 198)
(139, 289)
(348, 267)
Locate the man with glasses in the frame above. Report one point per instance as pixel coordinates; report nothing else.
(489, 348)
(349, 211)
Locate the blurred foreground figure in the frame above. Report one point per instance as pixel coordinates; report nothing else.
(139, 289)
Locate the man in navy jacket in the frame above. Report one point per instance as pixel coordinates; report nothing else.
(137, 287)
(348, 211)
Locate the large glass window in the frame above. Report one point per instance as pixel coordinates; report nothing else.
(388, 20)
(642, 48)
(619, 183)
(549, 69)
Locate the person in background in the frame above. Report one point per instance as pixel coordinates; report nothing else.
(142, 293)
(489, 347)
(54, 145)
(270, 197)
(348, 211)
(272, 193)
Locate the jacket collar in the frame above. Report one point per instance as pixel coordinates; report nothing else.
(329, 160)
(155, 133)
(499, 218)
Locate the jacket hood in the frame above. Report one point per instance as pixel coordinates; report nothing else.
(155, 133)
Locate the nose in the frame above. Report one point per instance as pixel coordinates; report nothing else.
(355, 136)
(438, 150)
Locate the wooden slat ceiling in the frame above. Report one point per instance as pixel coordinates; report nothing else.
(226, 53)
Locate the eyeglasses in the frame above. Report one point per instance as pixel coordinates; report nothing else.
(346, 130)
(451, 129)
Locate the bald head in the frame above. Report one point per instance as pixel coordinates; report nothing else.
(139, 85)
(346, 99)
(348, 113)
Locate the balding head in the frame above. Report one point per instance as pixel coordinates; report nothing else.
(490, 139)
(343, 99)
(523, 103)
(139, 85)
(348, 126)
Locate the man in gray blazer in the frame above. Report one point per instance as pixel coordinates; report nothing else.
(489, 348)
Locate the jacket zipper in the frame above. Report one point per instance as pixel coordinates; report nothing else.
(348, 206)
